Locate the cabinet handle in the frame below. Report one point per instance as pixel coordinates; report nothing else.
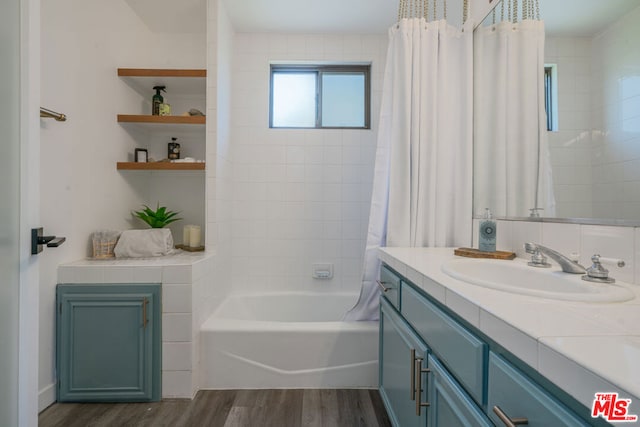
(413, 374)
(381, 285)
(509, 422)
(144, 312)
(419, 372)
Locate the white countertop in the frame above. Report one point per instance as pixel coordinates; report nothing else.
(180, 268)
(583, 348)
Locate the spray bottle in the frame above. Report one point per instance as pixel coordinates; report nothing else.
(157, 100)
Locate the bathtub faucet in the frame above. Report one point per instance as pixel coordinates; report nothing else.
(538, 259)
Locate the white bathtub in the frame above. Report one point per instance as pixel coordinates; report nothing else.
(288, 340)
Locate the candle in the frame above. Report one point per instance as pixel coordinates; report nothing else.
(194, 236)
(186, 235)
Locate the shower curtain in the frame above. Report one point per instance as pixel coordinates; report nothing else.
(422, 186)
(512, 165)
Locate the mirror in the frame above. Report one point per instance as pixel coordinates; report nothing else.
(592, 93)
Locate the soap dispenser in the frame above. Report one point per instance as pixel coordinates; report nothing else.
(157, 99)
(487, 235)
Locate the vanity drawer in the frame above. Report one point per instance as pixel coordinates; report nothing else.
(517, 396)
(457, 348)
(390, 282)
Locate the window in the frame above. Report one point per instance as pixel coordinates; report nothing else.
(551, 96)
(320, 96)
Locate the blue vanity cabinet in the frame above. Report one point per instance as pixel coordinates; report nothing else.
(465, 377)
(108, 342)
(517, 396)
(450, 406)
(399, 349)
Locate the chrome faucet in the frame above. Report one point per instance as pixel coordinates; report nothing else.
(539, 260)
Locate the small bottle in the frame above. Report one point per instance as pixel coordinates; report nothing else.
(173, 149)
(157, 99)
(487, 235)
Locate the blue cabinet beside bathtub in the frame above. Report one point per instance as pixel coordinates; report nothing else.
(436, 372)
(108, 342)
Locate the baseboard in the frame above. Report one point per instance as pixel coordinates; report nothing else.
(46, 397)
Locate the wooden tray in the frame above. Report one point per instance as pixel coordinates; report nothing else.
(476, 253)
(190, 249)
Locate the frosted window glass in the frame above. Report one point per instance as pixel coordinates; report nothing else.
(294, 100)
(343, 100)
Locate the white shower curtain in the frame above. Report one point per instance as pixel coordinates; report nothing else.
(512, 166)
(423, 173)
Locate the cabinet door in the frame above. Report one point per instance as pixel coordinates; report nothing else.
(450, 405)
(518, 396)
(397, 369)
(108, 343)
(463, 353)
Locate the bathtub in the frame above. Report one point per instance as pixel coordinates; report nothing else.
(287, 340)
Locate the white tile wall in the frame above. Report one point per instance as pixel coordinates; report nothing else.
(564, 238)
(176, 356)
(298, 196)
(176, 298)
(570, 146)
(616, 118)
(595, 154)
(177, 384)
(524, 232)
(176, 327)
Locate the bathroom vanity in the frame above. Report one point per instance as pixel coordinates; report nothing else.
(111, 294)
(453, 353)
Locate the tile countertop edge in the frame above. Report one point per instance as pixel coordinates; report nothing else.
(129, 270)
(518, 333)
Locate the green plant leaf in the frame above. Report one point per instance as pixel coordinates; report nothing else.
(159, 218)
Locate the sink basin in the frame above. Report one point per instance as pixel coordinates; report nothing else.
(519, 278)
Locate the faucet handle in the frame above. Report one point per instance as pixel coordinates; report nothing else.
(597, 273)
(612, 261)
(538, 259)
(535, 212)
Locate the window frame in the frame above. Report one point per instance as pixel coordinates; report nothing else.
(319, 70)
(551, 96)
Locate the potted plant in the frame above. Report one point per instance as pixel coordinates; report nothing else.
(159, 218)
(156, 241)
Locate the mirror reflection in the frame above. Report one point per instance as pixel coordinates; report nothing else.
(564, 142)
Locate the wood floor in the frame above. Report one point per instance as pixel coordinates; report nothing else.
(231, 408)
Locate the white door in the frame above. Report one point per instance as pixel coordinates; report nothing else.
(9, 209)
(19, 211)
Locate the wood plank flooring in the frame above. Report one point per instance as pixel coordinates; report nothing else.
(230, 408)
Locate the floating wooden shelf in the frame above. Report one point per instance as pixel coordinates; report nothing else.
(170, 120)
(160, 72)
(160, 166)
(183, 82)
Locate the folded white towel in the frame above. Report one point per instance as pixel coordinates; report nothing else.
(144, 243)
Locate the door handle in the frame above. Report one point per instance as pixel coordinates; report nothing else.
(38, 240)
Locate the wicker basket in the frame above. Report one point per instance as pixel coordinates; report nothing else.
(103, 243)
